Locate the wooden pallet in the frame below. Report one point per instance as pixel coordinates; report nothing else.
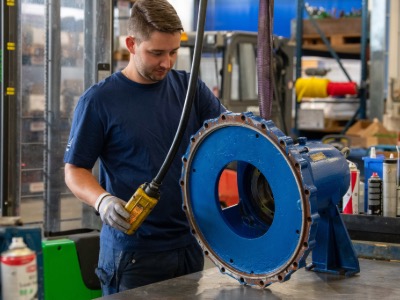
(349, 43)
(344, 35)
(333, 26)
(335, 40)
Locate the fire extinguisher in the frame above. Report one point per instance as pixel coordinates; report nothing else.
(19, 272)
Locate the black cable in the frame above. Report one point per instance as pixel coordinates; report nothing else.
(152, 188)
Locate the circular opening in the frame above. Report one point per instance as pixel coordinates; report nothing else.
(262, 197)
(246, 199)
(228, 192)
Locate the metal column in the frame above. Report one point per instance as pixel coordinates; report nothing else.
(52, 151)
(379, 46)
(98, 49)
(9, 70)
(299, 54)
(364, 65)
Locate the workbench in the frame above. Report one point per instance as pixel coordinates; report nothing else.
(377, 280)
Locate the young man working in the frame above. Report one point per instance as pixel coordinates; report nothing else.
(129, 121)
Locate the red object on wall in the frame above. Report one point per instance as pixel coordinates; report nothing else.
(227, 188)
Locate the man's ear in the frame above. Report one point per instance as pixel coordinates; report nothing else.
(130, 42)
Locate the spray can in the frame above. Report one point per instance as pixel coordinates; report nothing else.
(372, 164)
(19, 272)
(389, 187)
(375, 195)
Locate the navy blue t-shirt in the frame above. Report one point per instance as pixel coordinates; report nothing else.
(130, 128)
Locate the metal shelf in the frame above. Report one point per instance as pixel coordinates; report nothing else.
(362, 95)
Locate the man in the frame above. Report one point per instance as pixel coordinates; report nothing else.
(129, 121)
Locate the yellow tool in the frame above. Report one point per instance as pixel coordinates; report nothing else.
(140, 206)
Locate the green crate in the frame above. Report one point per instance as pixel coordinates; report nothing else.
(62, 272)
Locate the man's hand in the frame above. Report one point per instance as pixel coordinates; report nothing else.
(113, 213)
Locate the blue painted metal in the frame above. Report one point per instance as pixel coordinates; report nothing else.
(265, 239)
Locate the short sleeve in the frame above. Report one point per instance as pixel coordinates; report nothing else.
(86, 137)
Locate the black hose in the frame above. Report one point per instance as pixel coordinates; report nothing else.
(152, 188)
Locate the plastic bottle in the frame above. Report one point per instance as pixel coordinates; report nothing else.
(19, 272)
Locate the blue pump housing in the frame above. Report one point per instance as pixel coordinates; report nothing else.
(288, 201)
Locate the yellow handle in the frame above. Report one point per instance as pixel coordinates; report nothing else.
(139, 207)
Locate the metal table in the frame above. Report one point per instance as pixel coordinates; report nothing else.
(377, 280)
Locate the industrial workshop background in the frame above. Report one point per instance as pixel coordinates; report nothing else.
(324, 51)
(55, 50)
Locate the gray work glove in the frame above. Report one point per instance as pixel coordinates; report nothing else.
(113, 213)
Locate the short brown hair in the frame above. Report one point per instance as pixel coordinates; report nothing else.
(148, 16)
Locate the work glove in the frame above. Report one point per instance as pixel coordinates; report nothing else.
(113, 213)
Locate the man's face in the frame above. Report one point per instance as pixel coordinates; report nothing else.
(155, 57)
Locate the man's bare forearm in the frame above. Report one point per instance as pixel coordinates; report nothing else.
(82, 184)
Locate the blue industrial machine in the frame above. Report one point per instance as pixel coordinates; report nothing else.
(288, 196)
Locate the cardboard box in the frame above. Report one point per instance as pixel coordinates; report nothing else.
(365, 134)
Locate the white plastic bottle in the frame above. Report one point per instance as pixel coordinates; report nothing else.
(19, 272)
